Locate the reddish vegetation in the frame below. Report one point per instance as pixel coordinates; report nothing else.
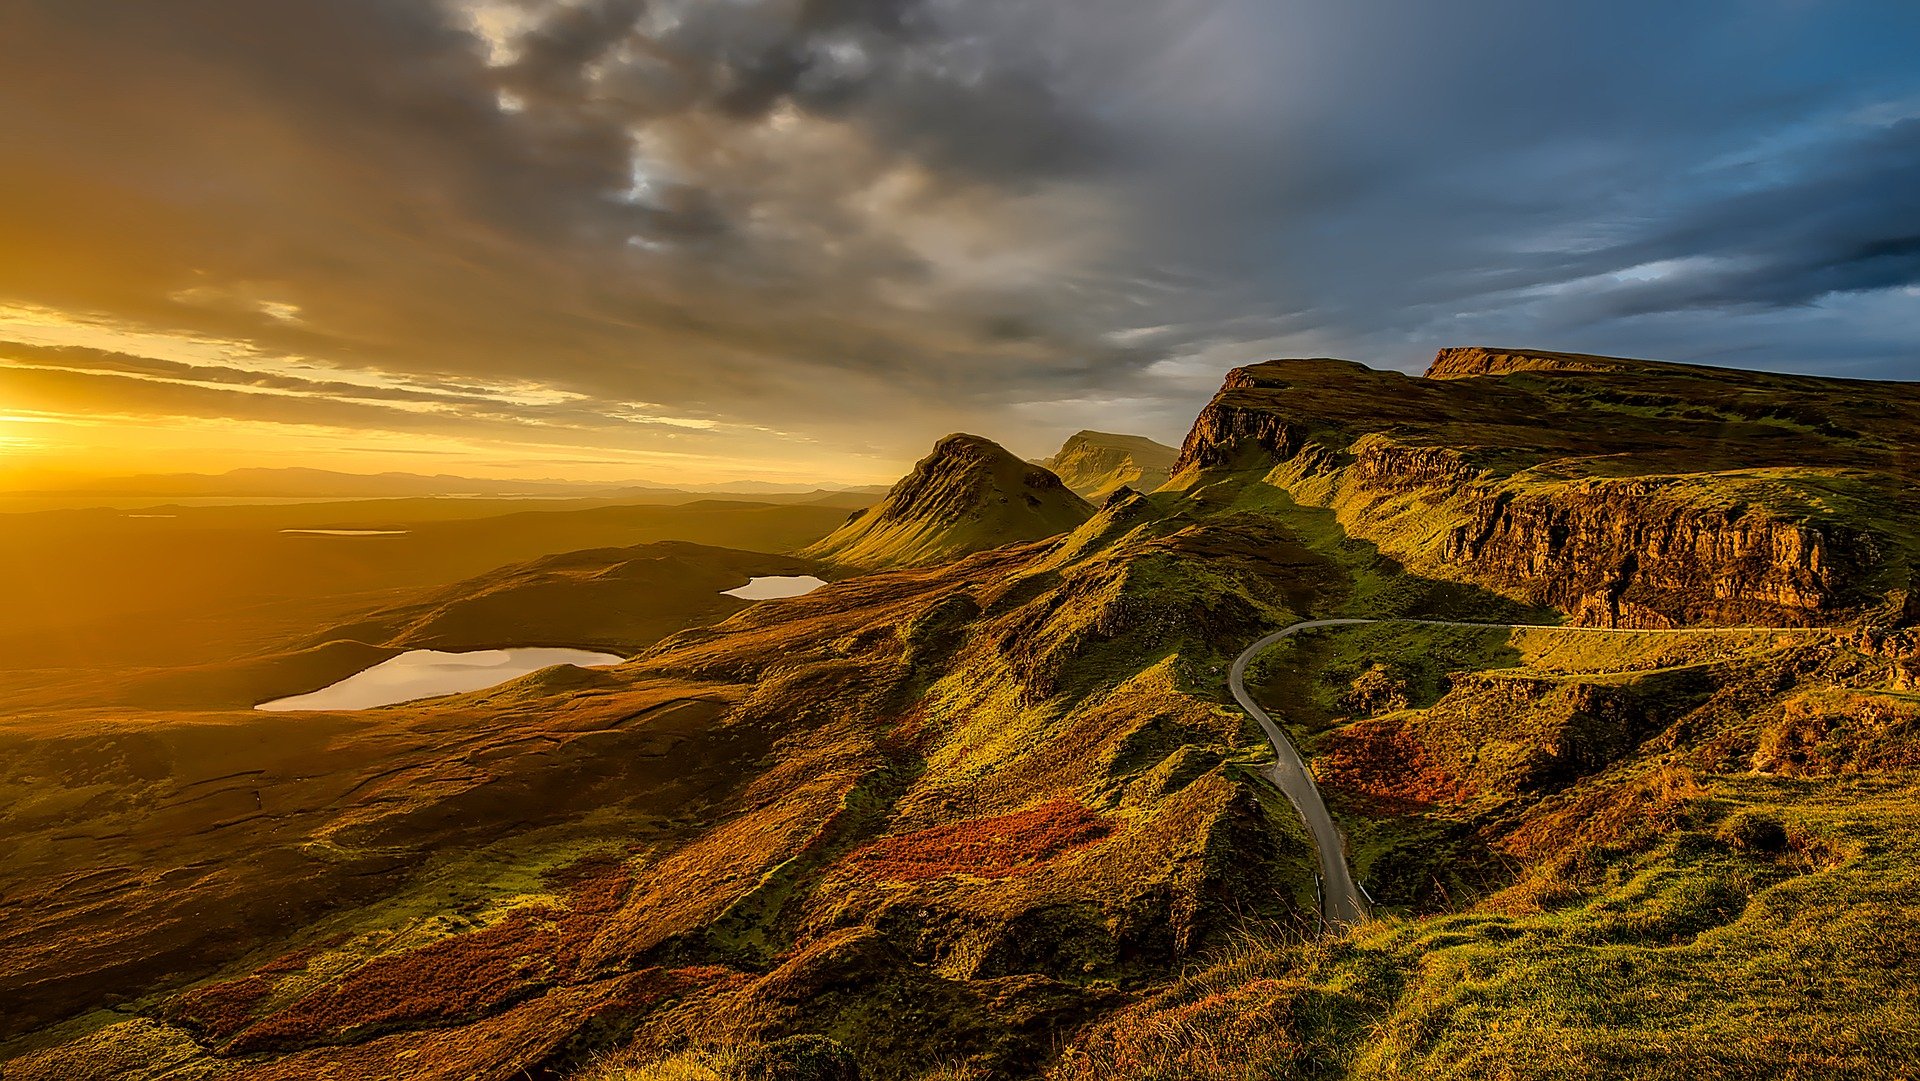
(459, 977)
(1383, 763)
(504, 1045)
(995, 847)
(221, 1009)
(1847, 732)
(224, 1008)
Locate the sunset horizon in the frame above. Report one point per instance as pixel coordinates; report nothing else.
(959, 540)
(612, 239)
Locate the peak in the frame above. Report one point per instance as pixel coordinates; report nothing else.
(962, 443)
(968, 495)
(1095, 463)
(965, 439)
(1088, 435)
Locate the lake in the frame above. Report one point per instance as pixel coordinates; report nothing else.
(776, 587)
(429, 673)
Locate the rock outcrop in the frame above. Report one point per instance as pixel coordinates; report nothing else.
(1460, 362)
(1620, 554)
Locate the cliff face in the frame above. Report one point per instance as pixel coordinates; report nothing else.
(1624, 493)
(1224, 429)
(1620, 554)
(1459, 362)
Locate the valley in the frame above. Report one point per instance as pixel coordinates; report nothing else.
(1547, 715)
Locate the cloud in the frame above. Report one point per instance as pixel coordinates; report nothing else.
(856, 222)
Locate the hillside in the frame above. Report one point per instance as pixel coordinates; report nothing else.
(620, 599)
(1094, 464)
(969, 495)
(995, 817)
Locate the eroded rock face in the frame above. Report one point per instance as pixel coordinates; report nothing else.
(1470, 360)
(1618, 554)
(1222, 431)
(1390, 466)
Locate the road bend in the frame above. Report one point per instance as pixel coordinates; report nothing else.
(1343, 904)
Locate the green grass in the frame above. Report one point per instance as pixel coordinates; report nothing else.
(1692, 959)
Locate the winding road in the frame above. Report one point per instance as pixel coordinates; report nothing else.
(1342, 902)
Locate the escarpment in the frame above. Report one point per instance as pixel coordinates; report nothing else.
(1222, 431)
(1621, 492)
(1618, 554)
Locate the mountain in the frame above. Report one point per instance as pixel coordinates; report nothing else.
(1093, 464)
(970, 494)
(1013, 792)
(1622, 492)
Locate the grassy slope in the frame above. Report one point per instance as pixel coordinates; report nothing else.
(1705, 906)
(1001, 789)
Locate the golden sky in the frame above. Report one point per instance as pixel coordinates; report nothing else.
(686, 241)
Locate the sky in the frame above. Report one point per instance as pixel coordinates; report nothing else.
(798, 240)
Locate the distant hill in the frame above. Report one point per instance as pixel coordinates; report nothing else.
(613, 598)
(1093, 464)
(969, 495)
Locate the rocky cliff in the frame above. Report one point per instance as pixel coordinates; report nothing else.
(1624, 493)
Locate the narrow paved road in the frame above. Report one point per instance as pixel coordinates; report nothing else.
(1342, 903)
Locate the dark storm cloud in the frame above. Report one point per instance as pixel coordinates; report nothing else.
(1845, 220)
(868, 219)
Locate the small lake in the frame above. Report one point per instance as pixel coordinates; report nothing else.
(429, 673)
(776, 587)
(350, 532)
